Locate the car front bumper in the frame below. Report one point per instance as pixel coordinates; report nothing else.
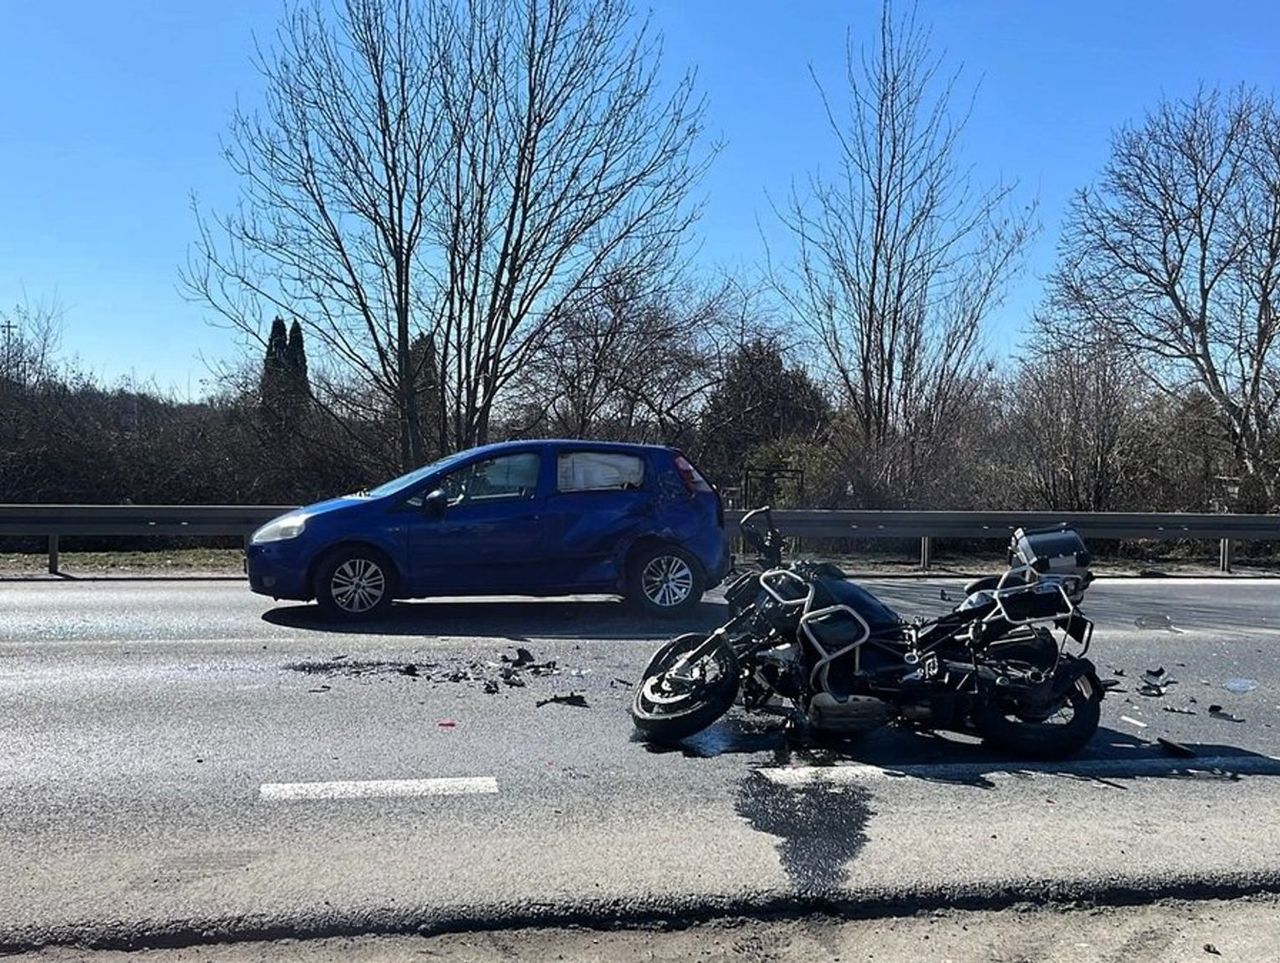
(276, 569)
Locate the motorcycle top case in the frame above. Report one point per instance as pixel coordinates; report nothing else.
(1057, 551)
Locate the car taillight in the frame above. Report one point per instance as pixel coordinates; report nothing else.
(691, 477)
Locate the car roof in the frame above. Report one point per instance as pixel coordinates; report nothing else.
(628, 446)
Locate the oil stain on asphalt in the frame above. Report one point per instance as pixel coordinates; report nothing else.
(820, 827)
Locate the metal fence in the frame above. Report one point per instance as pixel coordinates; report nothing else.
(54, 521)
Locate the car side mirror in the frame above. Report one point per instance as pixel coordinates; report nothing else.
(434, 504)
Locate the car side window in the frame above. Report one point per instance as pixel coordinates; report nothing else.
(598, 471)
(494, 479)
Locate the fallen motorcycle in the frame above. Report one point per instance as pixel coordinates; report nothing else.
(1007, 663)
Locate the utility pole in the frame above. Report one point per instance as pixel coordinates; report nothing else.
(8, 327)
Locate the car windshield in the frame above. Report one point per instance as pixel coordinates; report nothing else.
(415, 477)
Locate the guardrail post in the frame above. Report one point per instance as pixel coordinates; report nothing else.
(926, 547)
(53, 554)
(1225, 548)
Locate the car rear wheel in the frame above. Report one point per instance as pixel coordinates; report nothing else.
(665, 580)
(355, 584)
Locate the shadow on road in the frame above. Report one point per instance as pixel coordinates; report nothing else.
(961, 760)
(513, 620)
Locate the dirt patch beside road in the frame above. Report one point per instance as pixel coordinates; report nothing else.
(1244, 929)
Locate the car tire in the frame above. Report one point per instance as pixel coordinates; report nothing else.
(355, 584)
(665, 580)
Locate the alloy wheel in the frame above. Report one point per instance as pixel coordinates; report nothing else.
(667, 580)
(358, 585)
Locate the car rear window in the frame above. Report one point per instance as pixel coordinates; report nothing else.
(598, 471)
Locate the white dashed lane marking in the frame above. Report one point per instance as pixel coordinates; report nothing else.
(377, 788)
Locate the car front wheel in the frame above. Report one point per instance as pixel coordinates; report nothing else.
(354, 584)
(665, 580)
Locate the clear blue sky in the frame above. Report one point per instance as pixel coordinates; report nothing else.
(110, 115)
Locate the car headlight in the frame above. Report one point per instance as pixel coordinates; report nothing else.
(280, 529)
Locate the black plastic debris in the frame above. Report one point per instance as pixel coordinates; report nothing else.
(319, 688)
(409, 669)
(1210, 948)
(522, 658)
(1111, 685)
(622, 682)
(1175, 748)
(1218, 712)
(491, 687)
(1155, 683)
(572, 699)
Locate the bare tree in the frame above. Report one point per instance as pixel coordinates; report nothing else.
(30, 334)
(629, 362)
(1176, 254)
(900, 260)
(455, 169)
(1079, 430)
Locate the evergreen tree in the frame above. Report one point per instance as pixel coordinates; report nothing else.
(275, 374)
(296, 364)
(759, 402)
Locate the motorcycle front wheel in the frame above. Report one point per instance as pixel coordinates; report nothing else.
(1052, 735)
(677, 696)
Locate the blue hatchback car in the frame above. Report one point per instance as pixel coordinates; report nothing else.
(516, 518)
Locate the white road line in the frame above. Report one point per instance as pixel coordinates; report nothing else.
(377, 788)
(861, 772)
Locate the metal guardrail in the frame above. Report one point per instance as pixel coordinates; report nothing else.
(54, 521)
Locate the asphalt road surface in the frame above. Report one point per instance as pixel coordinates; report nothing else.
(184, 760)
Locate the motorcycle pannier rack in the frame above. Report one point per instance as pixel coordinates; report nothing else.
(1057, 551)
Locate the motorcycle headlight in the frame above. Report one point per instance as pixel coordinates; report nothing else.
(280, 529)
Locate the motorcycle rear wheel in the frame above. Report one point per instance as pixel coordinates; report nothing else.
(1046, 738)
(666, 709)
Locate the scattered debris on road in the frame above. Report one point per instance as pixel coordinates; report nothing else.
(488, 675)
(1240, 686)
(1210, 948)
(447, 724)
(1155, 683)
(522, 658)
(1133, 722)
(572, 699)
(1157, 621)
(1180, 710)
(1220, 713)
